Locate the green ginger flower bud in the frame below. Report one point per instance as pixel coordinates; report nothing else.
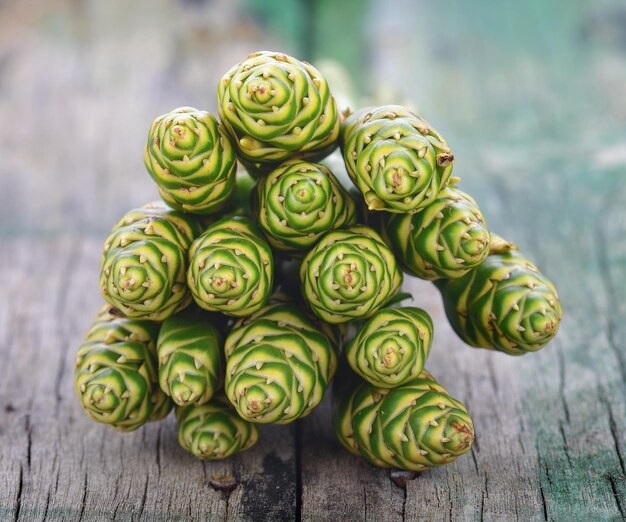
(392, 347)
(192, 160)
(395, 158)
(116, 375)
(446, 239)
(145, 262)
(299, 202)
(277, 108)
(278, 365)
(213, 430)
(190, 357)
(231, 268)
(415, 426)
(349, 274)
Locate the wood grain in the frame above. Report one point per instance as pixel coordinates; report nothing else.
(540, 145)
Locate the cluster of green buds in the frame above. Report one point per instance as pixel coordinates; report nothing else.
(197, 314)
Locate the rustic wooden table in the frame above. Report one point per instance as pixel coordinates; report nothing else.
(531, 97)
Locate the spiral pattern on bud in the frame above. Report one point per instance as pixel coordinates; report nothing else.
(415, 426)
(276, 107)
(445, 239)
(278, 365)
(298, 203)
(190, 358)
(231, 268)
(503, 304)
(395, 158)
(349, 274)
(392, 347)
(115, 372)
(192, 160)
(213, 430)
(145, 261)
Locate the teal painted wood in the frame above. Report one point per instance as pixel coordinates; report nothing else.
(530, 96)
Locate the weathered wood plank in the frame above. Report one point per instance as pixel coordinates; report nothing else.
(540, 145)
(574, 396)
(55, 462)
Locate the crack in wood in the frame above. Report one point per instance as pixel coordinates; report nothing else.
(543, 472)
(144, 497)
(18, 499)
(115, 495)
(47, 504)
(482, 504)
(544, 504)
(404, 498)
(56, 481)
(227, 499)
(204, 471)
(83, 502)
(29, 439)
(521, 443)
(565, 450)
(617, 496)
(73, 258)
(473, 454)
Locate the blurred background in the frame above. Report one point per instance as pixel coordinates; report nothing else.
(530, 92)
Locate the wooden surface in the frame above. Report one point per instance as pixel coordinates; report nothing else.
(531, 98)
